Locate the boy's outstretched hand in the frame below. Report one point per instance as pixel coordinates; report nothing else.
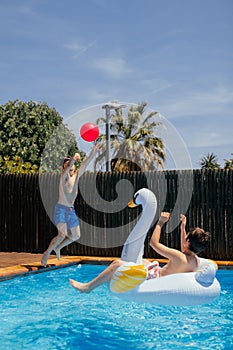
(183, 219)
(164, 217)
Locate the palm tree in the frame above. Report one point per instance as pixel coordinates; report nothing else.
(133, 142)
(210, 161)
(229, 163)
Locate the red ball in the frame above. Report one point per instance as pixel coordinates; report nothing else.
(89, 132)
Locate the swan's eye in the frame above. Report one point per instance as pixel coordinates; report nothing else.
(135, 197)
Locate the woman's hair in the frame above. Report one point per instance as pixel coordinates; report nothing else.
(198, 239)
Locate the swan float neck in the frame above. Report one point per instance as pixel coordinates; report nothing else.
(134, 246)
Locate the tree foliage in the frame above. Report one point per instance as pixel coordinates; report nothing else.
(229, 163)
(16, 166)
(26, 130)
(209, 161)
(134, 143)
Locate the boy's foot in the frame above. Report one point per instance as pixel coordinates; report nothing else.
(58, 254)
(44, 260)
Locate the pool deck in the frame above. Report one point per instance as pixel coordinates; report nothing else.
(21, 264)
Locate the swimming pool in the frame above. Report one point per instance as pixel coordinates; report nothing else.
(42, 311)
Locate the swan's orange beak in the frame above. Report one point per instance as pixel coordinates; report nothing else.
(132, 204)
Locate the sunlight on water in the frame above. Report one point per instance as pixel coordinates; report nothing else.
(42, 311)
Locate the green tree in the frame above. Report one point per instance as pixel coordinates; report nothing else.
(26, 127)
(229, 163)
(209, 161)
(16, 166)
(134, 145)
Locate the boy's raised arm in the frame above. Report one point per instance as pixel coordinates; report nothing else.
(86, 162)
(182, 231)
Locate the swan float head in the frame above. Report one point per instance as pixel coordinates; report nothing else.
(144, 197)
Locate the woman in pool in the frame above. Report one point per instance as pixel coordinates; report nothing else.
(185, 260)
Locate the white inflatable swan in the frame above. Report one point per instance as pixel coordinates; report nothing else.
(181, 289)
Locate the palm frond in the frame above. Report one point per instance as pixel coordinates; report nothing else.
(135, 144)
(101, 119)
(151, 115)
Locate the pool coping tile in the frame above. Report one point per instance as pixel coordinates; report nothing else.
(26, 263)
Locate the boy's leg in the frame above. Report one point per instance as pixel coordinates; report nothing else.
(62, 232)
(73, 236)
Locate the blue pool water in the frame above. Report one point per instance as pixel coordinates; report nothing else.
(42, 311)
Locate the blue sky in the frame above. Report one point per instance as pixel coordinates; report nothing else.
(177, 55)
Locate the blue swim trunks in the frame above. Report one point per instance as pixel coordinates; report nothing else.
(65, 214)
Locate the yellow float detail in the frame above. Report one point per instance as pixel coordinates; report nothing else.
(127, 277)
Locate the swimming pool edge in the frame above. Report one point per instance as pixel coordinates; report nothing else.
(25, 268)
